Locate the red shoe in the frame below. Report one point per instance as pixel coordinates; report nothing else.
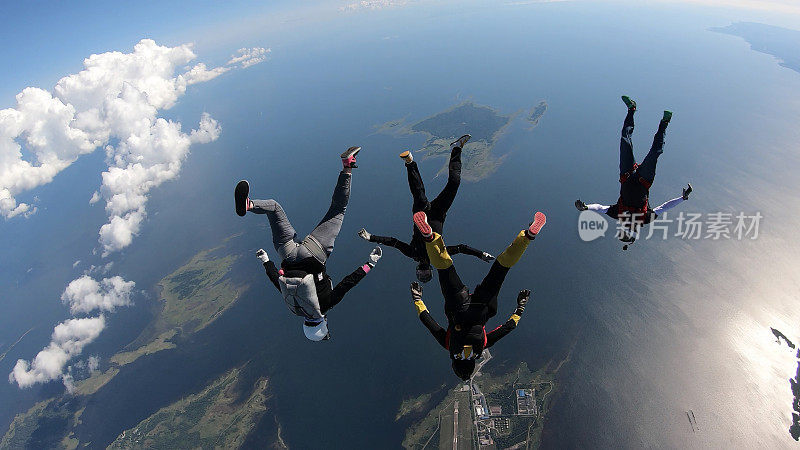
(421, 221)
(539, 219)
(349, 157)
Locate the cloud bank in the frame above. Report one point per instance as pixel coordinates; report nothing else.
(113, 104)
(67, 341)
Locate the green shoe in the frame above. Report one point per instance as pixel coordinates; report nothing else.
(629, 102)
(667, 116)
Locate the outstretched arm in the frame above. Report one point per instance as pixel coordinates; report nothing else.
(351, 280)
(425, 317)
(467, 250)
(598, 208)
(388, 240)
(269, 266)
(498, 333)
(272, 273)
(664, 207)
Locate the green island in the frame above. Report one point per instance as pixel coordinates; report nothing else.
(485, 124)
(505, 410)
(191, 298)
(212, 418)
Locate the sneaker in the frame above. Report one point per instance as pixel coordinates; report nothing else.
(406, 155)
(629, 103)
(667, 116)
(421, 221)
(539, 220)
(460, 142)
(349, 157)
(240, 196)
(580, 205)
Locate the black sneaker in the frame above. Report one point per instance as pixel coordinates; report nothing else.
(460, 142)
(240, 195)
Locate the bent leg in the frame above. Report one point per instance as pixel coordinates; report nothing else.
(513, 252)
(417, 188)
(626, 159)
(456, 297)
(441, 204)
(648, 168)
(325, 233)
(487, 291)
(437, 253)
(283, 233)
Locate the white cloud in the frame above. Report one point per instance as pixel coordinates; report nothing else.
(85, 294)
(372, 4)
(68, 340)
(113, 104)
(246, 57)
(93, 363)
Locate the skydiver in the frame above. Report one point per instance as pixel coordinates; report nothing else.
(302, 280)
(436, 211)
(466, 337)
(632, 208)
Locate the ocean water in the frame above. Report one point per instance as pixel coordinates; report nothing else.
(664, 328)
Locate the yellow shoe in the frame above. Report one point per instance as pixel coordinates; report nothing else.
(406, 155)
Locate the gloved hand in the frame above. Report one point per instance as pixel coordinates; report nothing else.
(487, 257)
(374, 256)
(686, 191)
(416, 291)
(364, 234)
(262, 255)
(522, 300)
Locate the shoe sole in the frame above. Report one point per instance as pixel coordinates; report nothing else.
(539, 219)
(465, 142)
(352, 151)
(421, 221)
(405, 154)
(240, 195)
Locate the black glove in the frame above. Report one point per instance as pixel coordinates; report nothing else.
(416, 291)
(522, 300)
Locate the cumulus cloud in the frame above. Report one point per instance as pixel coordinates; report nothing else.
(116, 97)
(113, 104)
(85, 294)
(68, 340)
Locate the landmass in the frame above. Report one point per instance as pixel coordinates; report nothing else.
(191, 298)
(778, 335)
(782, 43)
(213, 418)
(484, 123)
(535, 114)
(505, 410)
(794, 385)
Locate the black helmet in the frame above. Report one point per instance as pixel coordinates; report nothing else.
(424, 272)
(463, 368)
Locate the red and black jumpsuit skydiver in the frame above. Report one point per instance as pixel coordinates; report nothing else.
(633, 206)
(436, 211)
(467, 314)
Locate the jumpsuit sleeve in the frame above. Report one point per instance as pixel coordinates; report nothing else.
(393, 242)
(465, 250)
(272, 273)
(498, 333)
(437, 331)
(662, 208)
(598, 208)
(345, 285)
